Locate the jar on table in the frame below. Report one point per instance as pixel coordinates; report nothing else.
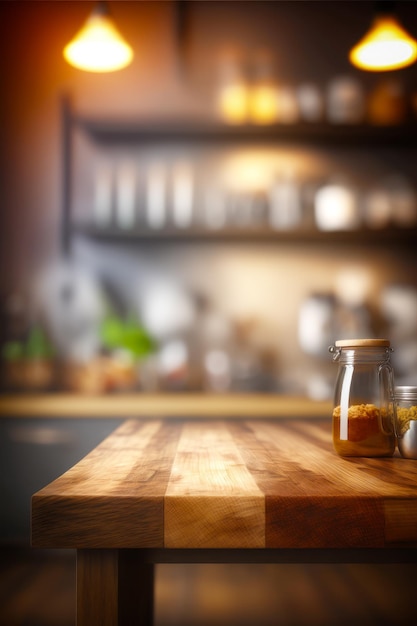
(363, 414)
(406, 420)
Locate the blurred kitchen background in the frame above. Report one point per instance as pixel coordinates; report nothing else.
(208, 219)
(214, 215)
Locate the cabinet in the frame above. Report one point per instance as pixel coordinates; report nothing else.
(34, 451)
(395, 146)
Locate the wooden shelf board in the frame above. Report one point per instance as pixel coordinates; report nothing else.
(157, 405)
(185, 131)
(260, 234)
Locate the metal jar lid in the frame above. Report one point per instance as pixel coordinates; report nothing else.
(406, 392)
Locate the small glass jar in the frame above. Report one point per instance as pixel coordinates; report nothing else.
(406, 420)
(363, 414)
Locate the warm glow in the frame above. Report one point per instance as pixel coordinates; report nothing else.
(263, 104)
(386, 46)
(247, 172)
(335, 208)
(98, 47)
(233, 103)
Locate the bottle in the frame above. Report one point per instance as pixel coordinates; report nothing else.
(182, 195)
(262, 101)
(233, 93)
(285, 211)
(156, 192)
(387, 103)
(126, 196)
(103, 195)
(363, 414)
(310, 102)
(345, 101)
(406, 420)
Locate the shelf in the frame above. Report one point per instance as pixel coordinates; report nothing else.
(254, 235)
(152, 131)
(125, 131)
(65, 405)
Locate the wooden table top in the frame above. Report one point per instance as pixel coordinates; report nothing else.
(227, 484)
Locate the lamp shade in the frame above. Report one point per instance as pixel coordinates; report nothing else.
(98, 46)
(386, 46)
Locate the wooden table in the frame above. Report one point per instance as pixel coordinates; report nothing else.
(187, 490)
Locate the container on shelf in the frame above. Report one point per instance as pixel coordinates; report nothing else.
(287, 105)
(345, 101)
(262, 100)
(336, 207)
(156, 196)
(233, 92)
(103, 195)
(182, 195)
(387, 103)
(126, 195)
(310, 102)
(285, 204)
(363, 413)
(403, 201)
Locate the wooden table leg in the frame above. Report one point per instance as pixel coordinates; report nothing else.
(114, 588)
(136, 589)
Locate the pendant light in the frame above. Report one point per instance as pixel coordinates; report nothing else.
(98, 46)
(386, 46)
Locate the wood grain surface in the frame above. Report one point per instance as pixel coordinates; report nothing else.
(227, 484)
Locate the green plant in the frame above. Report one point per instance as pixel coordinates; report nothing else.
(35, 347)
(128, 335)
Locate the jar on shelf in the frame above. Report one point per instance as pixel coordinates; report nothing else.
(345, 100)
(406, 420)
(363, 414)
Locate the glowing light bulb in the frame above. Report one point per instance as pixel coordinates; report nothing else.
(98, 46)
(386, 46)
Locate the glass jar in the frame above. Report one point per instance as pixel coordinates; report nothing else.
(406, 420)
(363, 414)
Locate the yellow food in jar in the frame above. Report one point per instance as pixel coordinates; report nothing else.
(405, 416)
(363, 420)
(370, 431)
